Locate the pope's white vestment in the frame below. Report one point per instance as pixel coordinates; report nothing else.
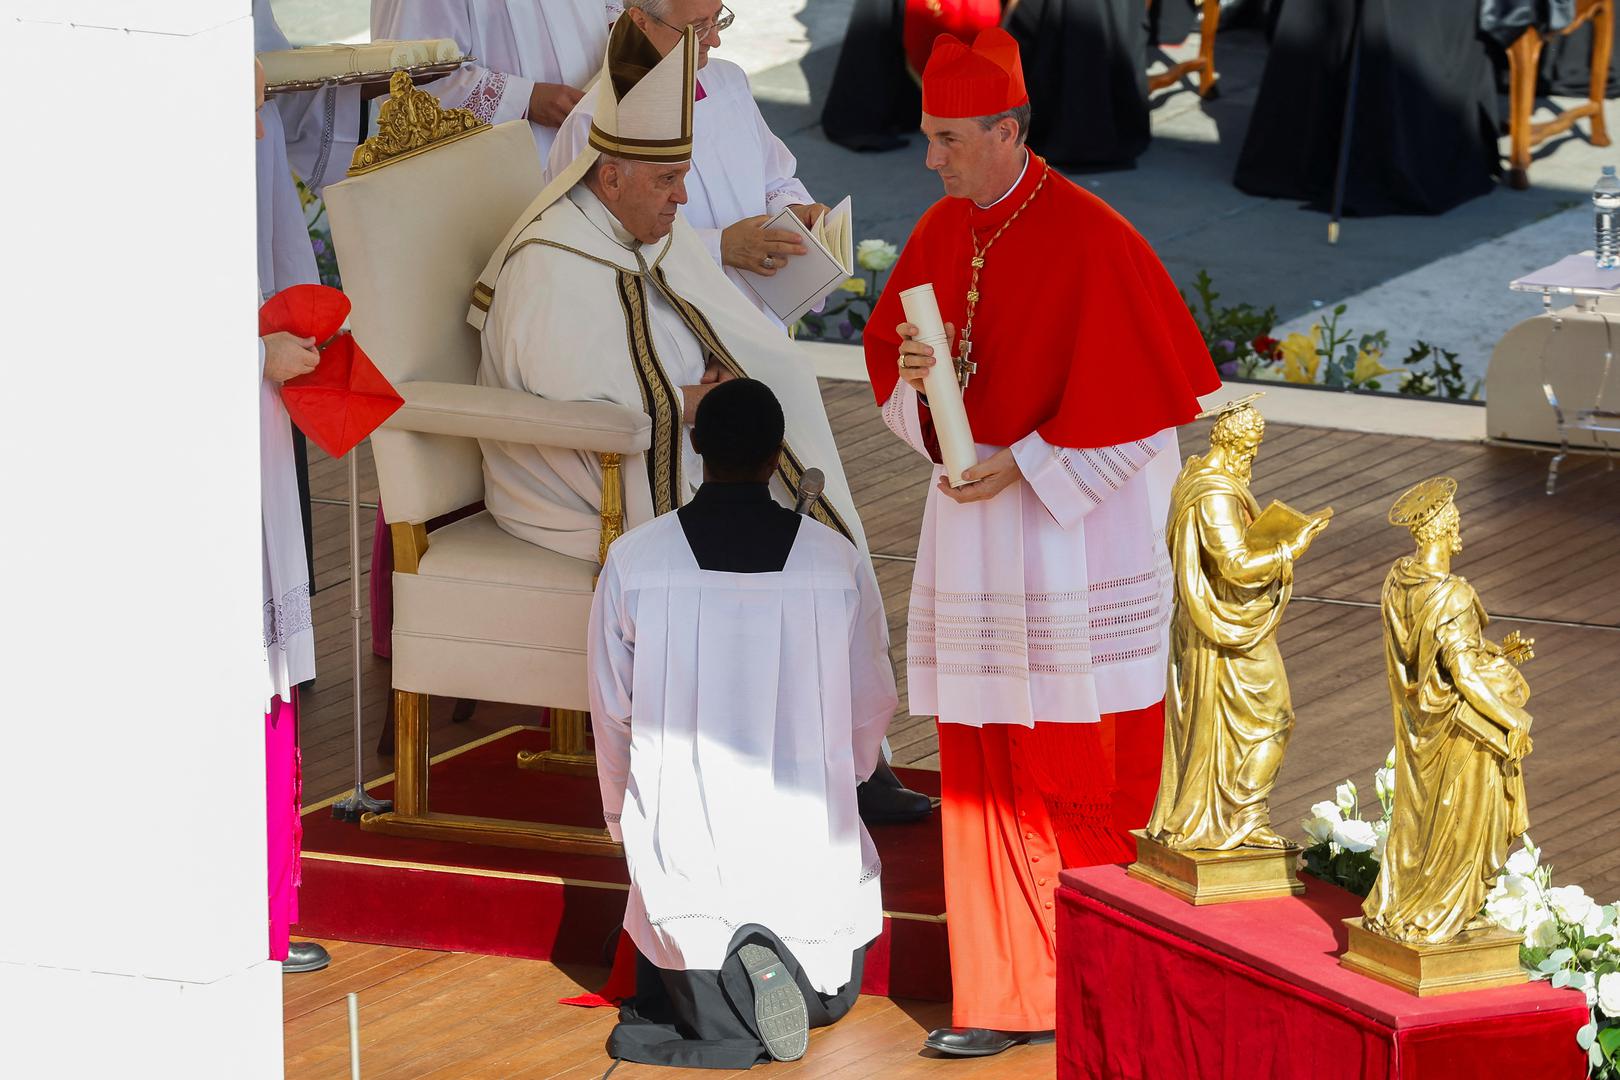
(312, 134)
(584, 312)
(515, 44)
(740, 169)
(733, 714)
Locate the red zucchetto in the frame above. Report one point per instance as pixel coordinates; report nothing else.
(982, 81)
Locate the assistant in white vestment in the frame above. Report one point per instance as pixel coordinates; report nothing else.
(515, 44)
(312, 134)
(740, 169)
(733, 714)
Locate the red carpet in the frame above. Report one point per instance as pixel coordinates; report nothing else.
(362, 886)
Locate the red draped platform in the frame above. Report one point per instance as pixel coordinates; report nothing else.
(1153, 988)
(428, 894)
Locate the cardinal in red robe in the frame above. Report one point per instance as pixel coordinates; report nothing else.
(1040, 606)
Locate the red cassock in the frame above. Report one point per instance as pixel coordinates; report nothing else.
(1081, 336)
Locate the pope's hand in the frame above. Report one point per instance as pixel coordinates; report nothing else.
(287, 356)
(550, 103)
(807, 213)
(749, 245)
(915, 357)
(986, 480)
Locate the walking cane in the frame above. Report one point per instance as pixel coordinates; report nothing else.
(1342, 168)
(358, 801)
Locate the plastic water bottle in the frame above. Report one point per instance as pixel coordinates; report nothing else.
(1606, 205)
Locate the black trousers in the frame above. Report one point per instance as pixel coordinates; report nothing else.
(705, 1019)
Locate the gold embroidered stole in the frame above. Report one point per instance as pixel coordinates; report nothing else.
(790, 468)
(660, 398)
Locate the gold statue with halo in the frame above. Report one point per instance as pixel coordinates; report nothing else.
(1461, 735)
(1228, 714)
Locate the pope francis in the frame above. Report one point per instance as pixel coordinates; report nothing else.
(601, 292)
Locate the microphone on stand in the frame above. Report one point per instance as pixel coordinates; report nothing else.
(810, 487)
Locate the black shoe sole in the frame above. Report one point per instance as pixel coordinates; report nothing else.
(779, 1009)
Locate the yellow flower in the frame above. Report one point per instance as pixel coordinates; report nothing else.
(855, 285)
(1369, 366)
(1300, 358)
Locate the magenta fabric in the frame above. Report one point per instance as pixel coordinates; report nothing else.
(283, 826)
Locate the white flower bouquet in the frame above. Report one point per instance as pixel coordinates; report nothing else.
(1570, 940)
(1345, 849)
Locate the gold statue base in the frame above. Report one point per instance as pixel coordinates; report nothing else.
(1474, 960)
(1216, 877)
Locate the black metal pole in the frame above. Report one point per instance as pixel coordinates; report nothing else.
(1341, 170)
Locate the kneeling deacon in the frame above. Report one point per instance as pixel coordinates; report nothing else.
(740, 685)
(599, 292)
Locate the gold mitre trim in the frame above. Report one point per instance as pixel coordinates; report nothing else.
(1421, 502)
(1232, 406)
(411, 122)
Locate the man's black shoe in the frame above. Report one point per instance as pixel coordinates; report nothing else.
(981, 1042)
(884, 800)
(305, 956)
(780, 1014)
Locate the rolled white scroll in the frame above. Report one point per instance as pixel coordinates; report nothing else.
(944, 393)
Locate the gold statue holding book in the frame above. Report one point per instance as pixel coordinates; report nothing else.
(1228, 714)
(1461, 735)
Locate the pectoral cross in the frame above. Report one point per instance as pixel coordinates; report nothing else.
(965, 367)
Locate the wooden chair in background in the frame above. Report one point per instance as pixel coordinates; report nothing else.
(1204, 62)
(1524, 65)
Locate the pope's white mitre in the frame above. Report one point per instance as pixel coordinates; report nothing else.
(643, 112)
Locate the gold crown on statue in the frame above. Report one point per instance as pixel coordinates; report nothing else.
(1422, 502)
(1231, 406)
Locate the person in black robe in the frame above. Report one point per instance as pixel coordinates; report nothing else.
(874, 101)
(699, 1019)
(1424, 127)
(1085, 65)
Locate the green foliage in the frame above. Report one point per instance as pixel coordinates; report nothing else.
(1353, 871)
(1443, 377)
(1235, 335)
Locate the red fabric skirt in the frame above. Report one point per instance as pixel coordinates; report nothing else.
(1018, 804)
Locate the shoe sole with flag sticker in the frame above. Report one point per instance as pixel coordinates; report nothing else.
(779, 1010)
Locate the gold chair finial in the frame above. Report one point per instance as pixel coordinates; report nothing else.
(411, 121)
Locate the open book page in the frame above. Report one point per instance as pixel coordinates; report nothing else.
(1278, 524)
(805, 280)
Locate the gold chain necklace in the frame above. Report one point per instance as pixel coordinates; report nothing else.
(965, 367)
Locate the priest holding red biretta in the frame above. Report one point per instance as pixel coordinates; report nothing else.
(1042, 595)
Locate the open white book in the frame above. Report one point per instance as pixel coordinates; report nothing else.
(829, 260)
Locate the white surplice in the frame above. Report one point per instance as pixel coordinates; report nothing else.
(1051, 601)
(733, 714)
(740, 169)
(557, 328)
(314, 135)
(516, 43)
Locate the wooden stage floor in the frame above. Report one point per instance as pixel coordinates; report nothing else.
(1547, 566)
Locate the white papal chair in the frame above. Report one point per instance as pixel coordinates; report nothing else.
(478, 613)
